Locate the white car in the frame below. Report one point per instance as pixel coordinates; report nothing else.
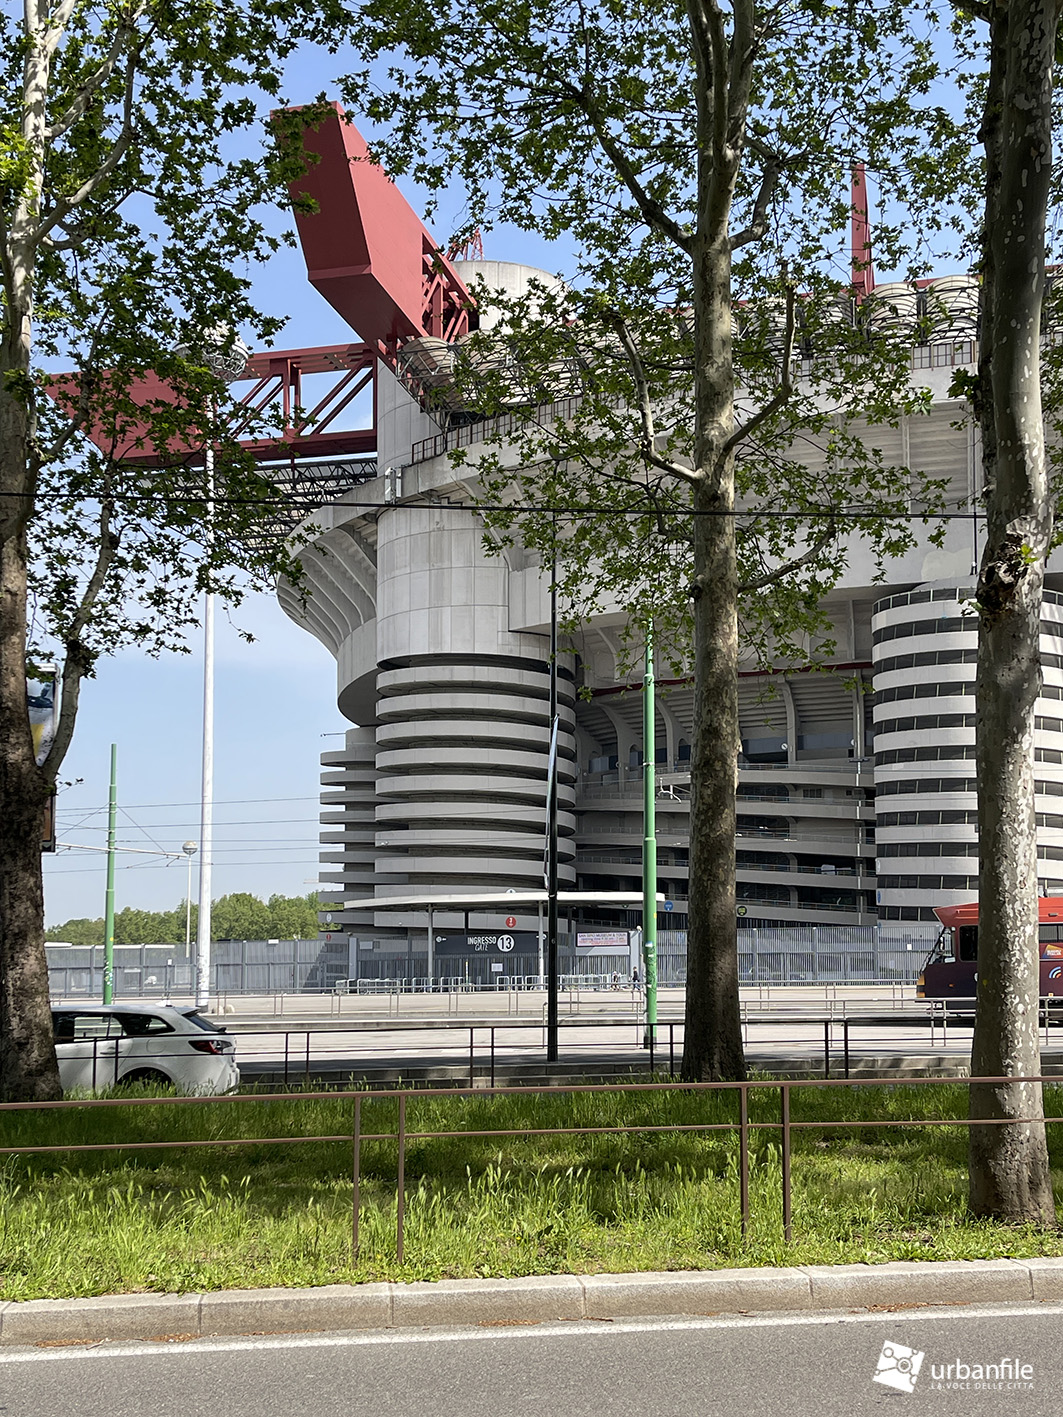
(102, 1045)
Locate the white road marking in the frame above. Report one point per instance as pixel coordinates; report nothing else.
(583, 1328)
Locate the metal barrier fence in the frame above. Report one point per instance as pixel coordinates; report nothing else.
(782, 955)
(411, 971)
(237, 967)
(803, 954)
(798, 954)
(456, 984)
(743, 1128)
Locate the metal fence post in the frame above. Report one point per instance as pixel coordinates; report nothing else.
(472, 1057)
(787, 1227)
(400, 1210)
(492, 1057)
(356, 1178)
(306, 1083)
(743, 1157)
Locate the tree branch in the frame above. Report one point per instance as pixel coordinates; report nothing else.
(660, 513)
(6, 268)
(786, 387)
(54, 26)
(79, 104)
(758, 222)
(66, 205)
(704, 88)
(645, 406)
(976, 8)
(722, 120)
(654, 214)
(68, 243)
(740, 72)
(788, 567)
(78, 660)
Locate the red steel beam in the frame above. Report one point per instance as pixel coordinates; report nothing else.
(274, 375)
(863, 269)
(366, 250)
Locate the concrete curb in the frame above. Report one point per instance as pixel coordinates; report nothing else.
(535, 1299)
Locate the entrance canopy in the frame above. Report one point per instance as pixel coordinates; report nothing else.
(623, 900)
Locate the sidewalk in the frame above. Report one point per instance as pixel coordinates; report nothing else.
(535, 1299)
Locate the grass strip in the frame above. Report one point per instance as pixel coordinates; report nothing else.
(268, 1212)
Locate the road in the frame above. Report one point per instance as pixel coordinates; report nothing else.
(771, 1366)
(771, 1044)
(790, 1029)
(784, 1030)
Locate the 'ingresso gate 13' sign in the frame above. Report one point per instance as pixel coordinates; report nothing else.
(504, 942)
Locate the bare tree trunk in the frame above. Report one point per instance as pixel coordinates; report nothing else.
(1009, 1175)
(713, 1032)
(28, 1068)
(712, 1050)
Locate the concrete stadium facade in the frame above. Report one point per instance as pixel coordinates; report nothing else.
(856, 781)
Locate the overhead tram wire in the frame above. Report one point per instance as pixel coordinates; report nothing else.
(244, 865)
(523, 509)
(224, 802)
(231, 843)
(487, 813)
(140, 828)
(244, 822)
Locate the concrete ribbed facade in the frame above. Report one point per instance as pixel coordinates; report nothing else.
(925, 651)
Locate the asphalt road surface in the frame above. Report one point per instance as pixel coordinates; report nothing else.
(785, 1366)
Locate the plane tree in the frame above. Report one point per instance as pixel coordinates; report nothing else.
(131, 189)
(1008, 1162)
(718, 458)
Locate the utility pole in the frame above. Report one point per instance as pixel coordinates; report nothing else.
(226, 356)
(108, 923)
(649, 842)
(206, 816)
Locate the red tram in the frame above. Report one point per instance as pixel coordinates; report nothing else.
(951, 969)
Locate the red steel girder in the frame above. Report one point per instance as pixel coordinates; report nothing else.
(276, 378)
(366, 250)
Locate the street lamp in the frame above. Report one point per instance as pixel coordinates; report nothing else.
(225, 354)
(190, 848)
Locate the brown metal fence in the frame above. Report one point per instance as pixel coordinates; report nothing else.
(785, 1126)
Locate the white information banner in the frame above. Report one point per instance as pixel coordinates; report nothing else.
(612, 942)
